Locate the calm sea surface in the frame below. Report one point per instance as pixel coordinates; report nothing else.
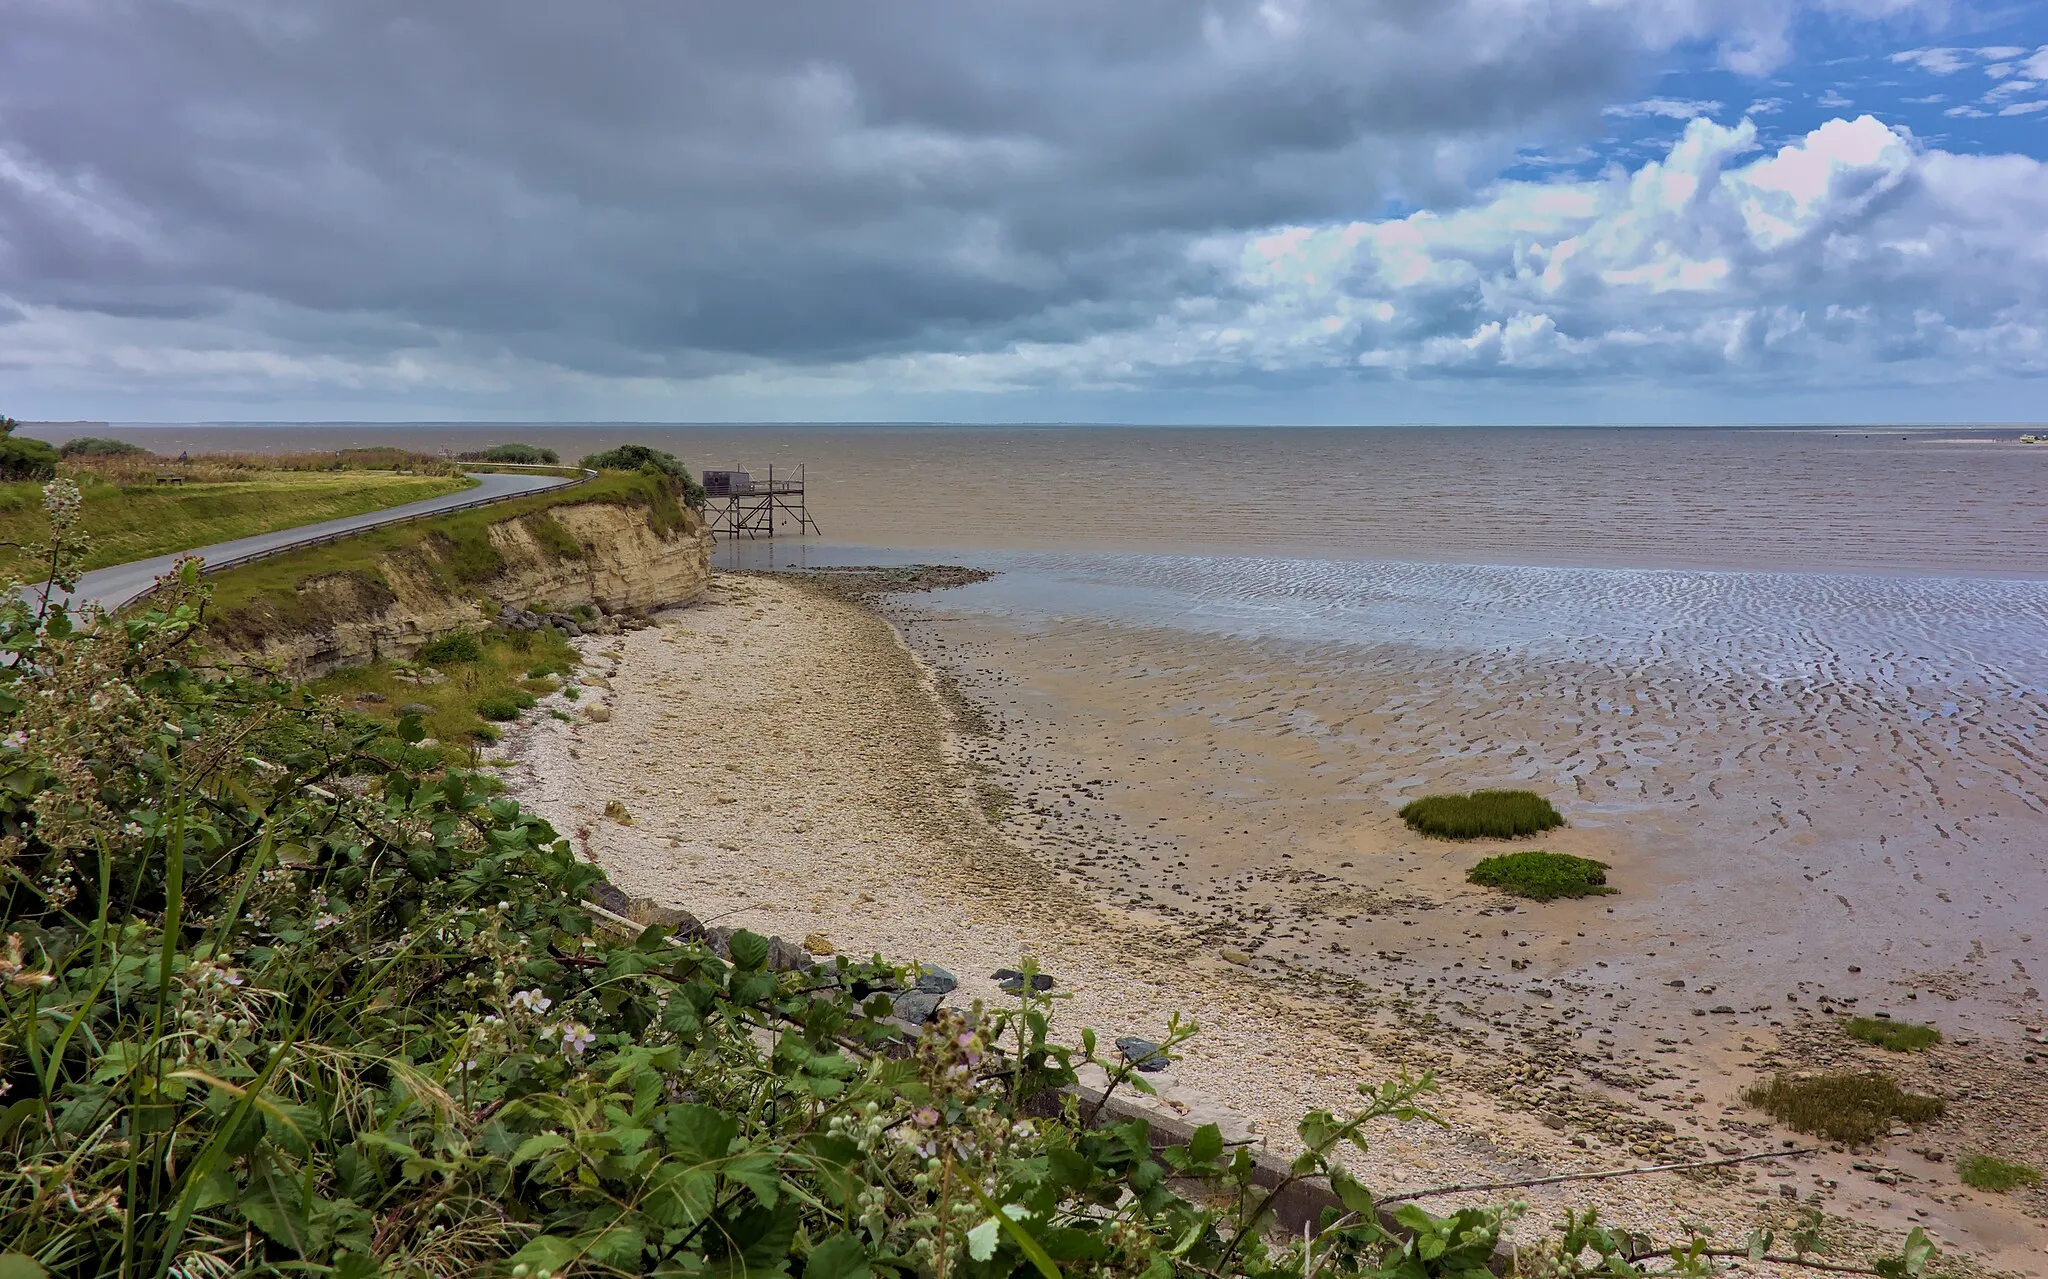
(1832, 501)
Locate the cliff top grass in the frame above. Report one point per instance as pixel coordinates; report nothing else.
(1482, 814)
(1893, 1036)
(460, 542)
(130, 516)
(1541, 876)
(1842, 1106)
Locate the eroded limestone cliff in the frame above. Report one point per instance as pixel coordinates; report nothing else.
(619, 555)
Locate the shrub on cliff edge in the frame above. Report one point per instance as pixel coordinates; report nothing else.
(636, 457)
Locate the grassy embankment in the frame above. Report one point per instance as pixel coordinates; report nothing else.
(472, 686)
(130, 515)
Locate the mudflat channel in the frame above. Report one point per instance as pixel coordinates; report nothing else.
(1142, 809)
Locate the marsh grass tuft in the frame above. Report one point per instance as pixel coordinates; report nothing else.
(1482, 814)
(1987, 1172)
(1893, 1036)
(1842, 1106)
(1542, 876)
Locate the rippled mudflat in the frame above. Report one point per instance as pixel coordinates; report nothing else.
(1832, 780)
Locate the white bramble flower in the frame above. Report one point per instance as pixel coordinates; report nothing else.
(532, 1001)
(325, 920)
(575, 1038)
(15, 740)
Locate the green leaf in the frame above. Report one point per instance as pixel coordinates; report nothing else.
(547, 1252)
(1355, 1197)
(12, 1118)
(19, 1265)
(749, 950)
(981, 1241)
(701, 1132)
(1206, 1144)
(1040, 1259)
(839, 1257)
(536, 1146)
(354, 1265)
(280, 1220)
(759, 1239)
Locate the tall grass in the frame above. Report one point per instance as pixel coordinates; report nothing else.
(1481, 814)
(1999, 1176)
(1852, 1108)
(1893, 1036)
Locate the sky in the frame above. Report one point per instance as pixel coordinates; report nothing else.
(1241, 211)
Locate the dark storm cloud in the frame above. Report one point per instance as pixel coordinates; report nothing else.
(642, 187)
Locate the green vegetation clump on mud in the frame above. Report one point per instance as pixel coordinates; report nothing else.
(1482, 814)
(1542, 876)
(1987, 1172)
(1893, 1036)
(1842, 1106)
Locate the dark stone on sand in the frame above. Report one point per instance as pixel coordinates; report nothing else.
(609, 896)
(1012, 981)
(918, 1006)
(1145, 1055)
(936, 981)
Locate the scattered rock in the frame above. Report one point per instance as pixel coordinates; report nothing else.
(820, 944)
(370, 697)
(609, 896)
(599, 714)
(1231, 955)
(616, 811)
(415, 708)
(1143, 1054)
(936, 981)
(1012, 981)
(917, 1007)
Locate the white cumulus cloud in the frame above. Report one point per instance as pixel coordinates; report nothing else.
(1852, 253)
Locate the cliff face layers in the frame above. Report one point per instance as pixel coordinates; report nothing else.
(620, 556)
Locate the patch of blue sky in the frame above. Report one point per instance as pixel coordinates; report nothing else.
(1976, 84)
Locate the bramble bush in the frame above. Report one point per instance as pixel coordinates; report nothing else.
(282, 994)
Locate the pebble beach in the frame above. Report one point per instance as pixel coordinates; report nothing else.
(824, 764)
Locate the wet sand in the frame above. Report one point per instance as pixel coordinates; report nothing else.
(1128, 816)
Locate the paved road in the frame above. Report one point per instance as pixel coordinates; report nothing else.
(112, 587)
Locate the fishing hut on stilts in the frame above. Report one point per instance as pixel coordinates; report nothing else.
(739, 504)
